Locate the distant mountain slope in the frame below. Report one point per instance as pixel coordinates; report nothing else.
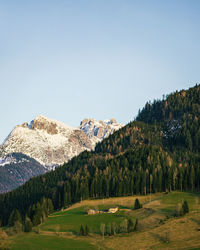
(16, 169)
(140, 158)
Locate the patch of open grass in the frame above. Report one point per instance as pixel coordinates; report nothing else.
(178, 197)
(33, 241)
(169, 201)
(70, 221)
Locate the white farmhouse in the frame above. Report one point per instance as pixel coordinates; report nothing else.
(113, 210)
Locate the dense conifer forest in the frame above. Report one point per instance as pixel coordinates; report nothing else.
(158, 152)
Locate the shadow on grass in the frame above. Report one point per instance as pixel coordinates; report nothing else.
(197, 221)
(163, 238)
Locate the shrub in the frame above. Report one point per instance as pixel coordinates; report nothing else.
(185, 207)
(178, 210)
(28, 225)
(136, 224)
(86, 230)
(102, 229)
(137, 204)
(130, 225)
(81, 232)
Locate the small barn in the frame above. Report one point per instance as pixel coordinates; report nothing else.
(113, 210)
(93, 211)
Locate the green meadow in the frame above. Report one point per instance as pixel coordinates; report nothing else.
(33, 241)
(157, 227)
(71, 220)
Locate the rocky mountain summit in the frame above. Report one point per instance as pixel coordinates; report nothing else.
(46, 140)
(52, 143)
(99, 130)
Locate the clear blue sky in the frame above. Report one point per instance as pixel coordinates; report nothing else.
(74, 59)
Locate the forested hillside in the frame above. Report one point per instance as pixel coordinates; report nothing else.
(157, 152)
(178, 116)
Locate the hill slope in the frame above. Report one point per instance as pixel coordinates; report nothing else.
(178, 116)
(137, 159)
(157, 228)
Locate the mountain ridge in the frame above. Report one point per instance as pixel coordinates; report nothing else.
(50, 143)
(137, 159)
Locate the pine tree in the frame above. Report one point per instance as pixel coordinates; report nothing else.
(81, 232)
(17, 227)
(37, 217)
(130, 225)
(86, 230)
(28, 225)
(136, 224)
(137, 204)
(102, 229)
(108, 229)
(14, 217)
(188, 140)
(44, 206)
(185, 207)
(124, 226)
(50, 207)
(114, 228)
(178, 210)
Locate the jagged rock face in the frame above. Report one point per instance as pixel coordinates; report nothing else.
(49, 127)
(35, 148)
(51, 142)
(48, 141)
(98, 130)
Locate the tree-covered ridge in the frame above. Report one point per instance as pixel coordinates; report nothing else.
(131, 136)
(178, 114)
(173, 106)
(140, 158)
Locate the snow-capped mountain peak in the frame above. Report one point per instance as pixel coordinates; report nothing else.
(39, 146)
(51, 142)
(98, 130)
(51, 126)
(46, 140)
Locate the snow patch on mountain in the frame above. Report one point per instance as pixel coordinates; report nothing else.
(52, 143)
(99, 130)
(11, 159)
(48, 141)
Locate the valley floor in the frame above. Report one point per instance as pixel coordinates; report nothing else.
(157, 227)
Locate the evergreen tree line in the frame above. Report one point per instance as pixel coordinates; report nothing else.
(35, 215)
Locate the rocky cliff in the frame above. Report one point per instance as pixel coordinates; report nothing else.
(52, 143)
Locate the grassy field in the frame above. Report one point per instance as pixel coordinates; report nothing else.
(157, 227)
(33, 241)
(70, 221)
